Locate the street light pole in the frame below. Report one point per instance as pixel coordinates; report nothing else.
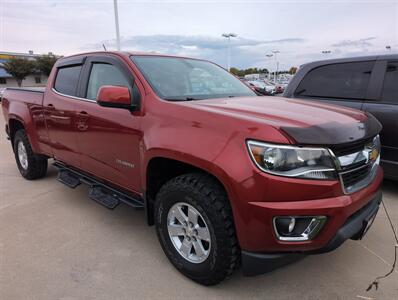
(229, 55)
(277, 64)
(388, 48)
(228, 36)
(269, 72)
(117, 25)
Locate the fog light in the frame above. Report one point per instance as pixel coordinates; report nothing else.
(295, 229)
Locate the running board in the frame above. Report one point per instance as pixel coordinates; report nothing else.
(68, 179)
(99, 191)
(104, 197)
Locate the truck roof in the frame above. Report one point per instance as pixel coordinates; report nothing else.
(127, 53)
(351, 59)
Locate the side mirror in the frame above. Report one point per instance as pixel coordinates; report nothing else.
(114, 96)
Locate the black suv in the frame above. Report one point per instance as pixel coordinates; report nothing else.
(366, 83)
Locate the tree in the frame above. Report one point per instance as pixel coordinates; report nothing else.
(19, 68)
(251, 71)
(293, 70)
(234, 71)
(45, 63)
(263, 71)
(237, 72)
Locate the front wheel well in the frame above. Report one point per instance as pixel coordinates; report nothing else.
(159, 171)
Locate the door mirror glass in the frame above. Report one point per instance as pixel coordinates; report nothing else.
(114, 96)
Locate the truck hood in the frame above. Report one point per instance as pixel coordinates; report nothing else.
(307, 122)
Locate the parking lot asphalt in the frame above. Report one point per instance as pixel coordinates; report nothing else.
(56, 243)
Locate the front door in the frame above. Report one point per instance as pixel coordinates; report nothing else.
(385, 109)
(109, 138)
(343, 84)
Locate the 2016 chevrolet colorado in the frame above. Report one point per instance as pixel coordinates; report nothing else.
(228, 178)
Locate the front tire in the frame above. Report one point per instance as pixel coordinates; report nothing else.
(194, 224)
(30, 165)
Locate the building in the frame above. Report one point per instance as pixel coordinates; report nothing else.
(6, 80)
(259, 76)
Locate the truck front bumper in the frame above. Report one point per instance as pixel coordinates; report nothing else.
(355, 227)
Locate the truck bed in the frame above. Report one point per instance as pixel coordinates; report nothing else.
(23, 99)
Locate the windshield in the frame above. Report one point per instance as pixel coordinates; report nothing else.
(182, 79)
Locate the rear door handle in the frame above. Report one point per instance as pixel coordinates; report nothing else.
(50, 107)
(82, 120)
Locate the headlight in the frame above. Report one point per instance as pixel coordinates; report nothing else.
(290, 161)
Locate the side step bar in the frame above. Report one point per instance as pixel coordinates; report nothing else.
(99, 192)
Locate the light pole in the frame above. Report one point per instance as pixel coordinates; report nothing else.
(388, 48)
(277, 64)
(326, 52)
(228, 36)
(117, 25)
(269, 73)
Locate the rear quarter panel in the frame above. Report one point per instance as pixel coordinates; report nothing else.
(26, 107)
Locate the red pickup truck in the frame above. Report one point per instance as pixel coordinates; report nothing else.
(228, 178)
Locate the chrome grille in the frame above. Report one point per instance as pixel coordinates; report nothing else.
(357, 166)
(340, 150)
(351, 178)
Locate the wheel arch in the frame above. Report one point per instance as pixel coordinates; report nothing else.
(14, 124)
(161, 169)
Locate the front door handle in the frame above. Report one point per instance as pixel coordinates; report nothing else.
(50, 107)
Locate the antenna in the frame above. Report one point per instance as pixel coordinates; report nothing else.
(103, 45)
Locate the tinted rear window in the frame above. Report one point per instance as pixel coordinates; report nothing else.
(390, 88)
(67, 80)
(348, 81)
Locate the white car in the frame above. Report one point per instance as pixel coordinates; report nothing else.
(269, 89)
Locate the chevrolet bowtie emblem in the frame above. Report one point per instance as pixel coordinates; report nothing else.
(373, 154)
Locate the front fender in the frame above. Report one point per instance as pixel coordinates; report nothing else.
(230, 177)
(187, 158)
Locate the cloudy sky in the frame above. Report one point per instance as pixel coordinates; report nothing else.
(300, 30)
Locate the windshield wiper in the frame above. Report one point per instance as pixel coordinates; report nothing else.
(182, 99)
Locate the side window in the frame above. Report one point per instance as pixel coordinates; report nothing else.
(344, 80)
(390, 88)
(67, 80)
(104, 74)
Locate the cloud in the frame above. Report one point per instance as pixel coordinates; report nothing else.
(162, 41)
(244, 51)
(360, 43)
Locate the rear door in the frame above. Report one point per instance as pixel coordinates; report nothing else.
(60, 111)
(339, 83)
(385, 108)
(109, 138)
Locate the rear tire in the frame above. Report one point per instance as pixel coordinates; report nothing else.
(30, 165)
(204, 197)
